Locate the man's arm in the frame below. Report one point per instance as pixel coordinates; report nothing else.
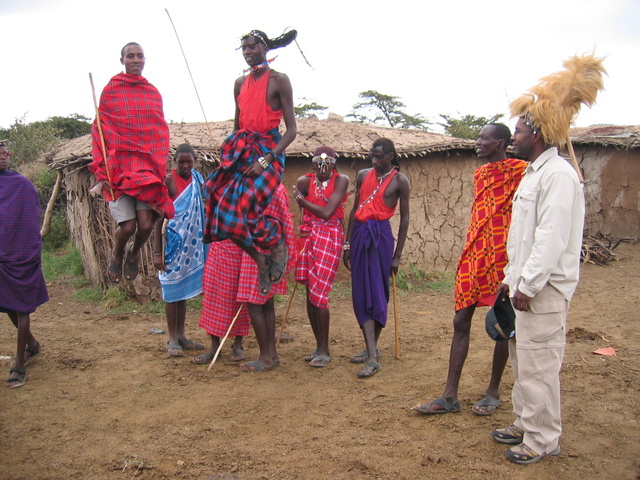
(346, 256)
(340, 189)
(404, 189)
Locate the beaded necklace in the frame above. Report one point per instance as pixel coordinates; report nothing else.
(321, 186)
(375, 190)
(256, 68)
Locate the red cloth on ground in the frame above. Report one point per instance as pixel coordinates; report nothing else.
(181, 183)
(321, 248)
(137, 142)
(484, 256)
(220, 290)
(374, 208)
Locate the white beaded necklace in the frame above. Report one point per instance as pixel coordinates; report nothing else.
(375, 190)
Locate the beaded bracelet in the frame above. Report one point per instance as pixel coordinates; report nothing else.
(157, 254)
(263, 162)
(299, 197)
(346, 246)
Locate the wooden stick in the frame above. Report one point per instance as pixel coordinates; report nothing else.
(213, 360)
(192, 80)
(574, 161)
(48, 214)
(395, 314)
(104, 146)
(286, 315)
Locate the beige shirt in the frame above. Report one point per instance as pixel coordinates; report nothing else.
(545, 237)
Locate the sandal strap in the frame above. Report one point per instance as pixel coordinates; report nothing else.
(18, 370)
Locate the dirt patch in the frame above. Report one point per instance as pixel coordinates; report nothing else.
(104, 401)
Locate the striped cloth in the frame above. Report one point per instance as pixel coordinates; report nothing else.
(185, 254)
(484, 256)
(220, 291)
(137, 142)
(22, 286)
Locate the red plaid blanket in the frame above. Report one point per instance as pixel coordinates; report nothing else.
(137, 142)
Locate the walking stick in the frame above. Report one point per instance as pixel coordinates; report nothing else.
(213, 360)
(395, 314)
(104, 146)
(192, 80)
(286, 314)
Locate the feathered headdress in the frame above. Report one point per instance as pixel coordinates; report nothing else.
(552, 105)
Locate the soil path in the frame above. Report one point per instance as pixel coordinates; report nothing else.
(104, 401)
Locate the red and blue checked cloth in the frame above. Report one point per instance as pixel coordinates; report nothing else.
(137, 142)
(248, 290)
(220, 289)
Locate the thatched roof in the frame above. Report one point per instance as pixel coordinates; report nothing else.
(348, 139)
(624, 137)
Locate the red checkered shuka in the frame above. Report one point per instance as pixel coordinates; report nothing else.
(137, 143)
(220, 290)
(484, 256)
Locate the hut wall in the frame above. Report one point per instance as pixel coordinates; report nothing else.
(612, 189)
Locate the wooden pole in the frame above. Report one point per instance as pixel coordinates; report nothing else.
(213, 360)
(286, 315)
(99, 123)
(192, 80)
(574, 160)
(395, 314)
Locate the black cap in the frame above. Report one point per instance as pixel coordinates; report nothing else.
(500, 321)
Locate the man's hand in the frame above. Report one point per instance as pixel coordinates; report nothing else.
(158, 263)
(521, 301)
(346, 258)
(254, 171)
(504, 289)
(395, 263)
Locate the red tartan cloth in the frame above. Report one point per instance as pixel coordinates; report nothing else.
(484, 256)
(374, 208)
(220, 290)
(248, 290)
(137, 142)
(321, 249)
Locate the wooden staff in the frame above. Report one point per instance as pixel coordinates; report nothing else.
(213, 360)
(395, 314)
(574, 160)
(104, 146)
(192, 80)
(286, 315)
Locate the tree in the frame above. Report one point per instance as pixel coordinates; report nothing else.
(308, 109)
(29, 141)
(466, 126)
(377, 107)
(73, 126)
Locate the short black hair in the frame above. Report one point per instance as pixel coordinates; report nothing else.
(502, 132)
(387, 147)
(130, 44)
(185, 148)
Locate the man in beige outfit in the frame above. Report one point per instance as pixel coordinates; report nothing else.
(543, 248)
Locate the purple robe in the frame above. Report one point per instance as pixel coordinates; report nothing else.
(22, 284)
(371, 256)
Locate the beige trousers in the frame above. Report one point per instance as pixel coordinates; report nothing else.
(536, 358)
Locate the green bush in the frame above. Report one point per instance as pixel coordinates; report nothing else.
(62, 263)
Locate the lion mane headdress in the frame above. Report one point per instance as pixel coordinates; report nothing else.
(552, 105)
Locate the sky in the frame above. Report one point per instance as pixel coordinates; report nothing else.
(455, 57)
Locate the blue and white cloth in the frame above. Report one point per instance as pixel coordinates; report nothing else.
(185, 254)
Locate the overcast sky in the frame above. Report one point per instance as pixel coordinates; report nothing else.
(468, 57)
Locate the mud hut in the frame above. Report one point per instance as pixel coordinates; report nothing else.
(438, 167)
(440, 170)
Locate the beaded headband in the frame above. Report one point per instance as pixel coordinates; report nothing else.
(323, 158)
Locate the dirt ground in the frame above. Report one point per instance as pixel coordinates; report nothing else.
(104, 401)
